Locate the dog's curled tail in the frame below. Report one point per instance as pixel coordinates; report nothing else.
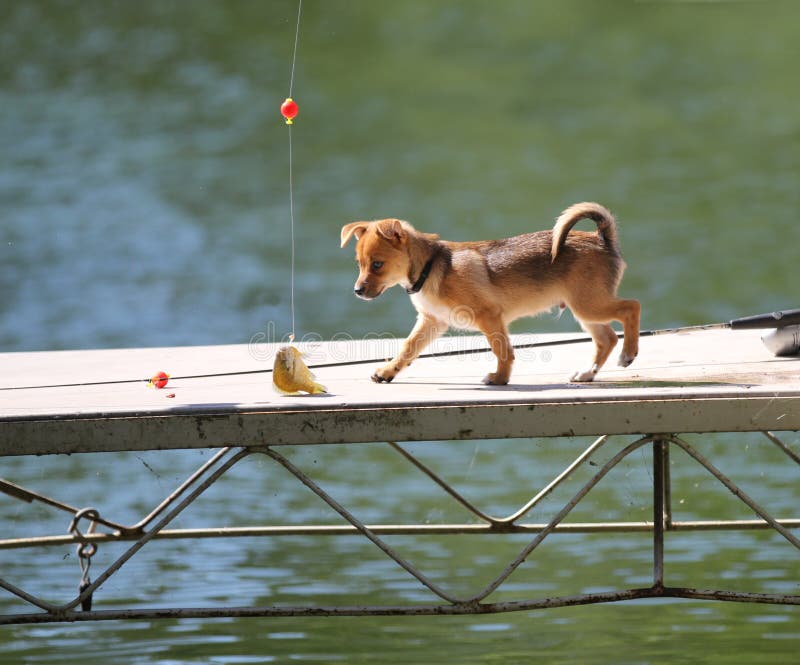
(606, 225)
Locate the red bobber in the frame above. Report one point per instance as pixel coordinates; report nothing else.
(289, 110)
(159, 380)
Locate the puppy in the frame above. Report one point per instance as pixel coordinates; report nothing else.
(486, 285)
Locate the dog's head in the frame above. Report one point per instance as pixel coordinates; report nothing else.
(383, 255)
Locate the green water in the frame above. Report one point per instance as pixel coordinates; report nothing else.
(144, 202)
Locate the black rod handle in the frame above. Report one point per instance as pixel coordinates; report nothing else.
(786, 317)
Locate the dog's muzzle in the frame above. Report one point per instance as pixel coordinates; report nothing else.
(360, 290)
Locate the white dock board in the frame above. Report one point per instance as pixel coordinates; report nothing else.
(717, 380)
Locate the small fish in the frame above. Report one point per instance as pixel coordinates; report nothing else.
(290, 376)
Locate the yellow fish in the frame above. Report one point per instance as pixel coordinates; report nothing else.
(290, 376)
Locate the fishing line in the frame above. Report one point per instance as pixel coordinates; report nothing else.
(294, 52)
(291, 223)
(291, 183)
(343, 363)
(775, 320)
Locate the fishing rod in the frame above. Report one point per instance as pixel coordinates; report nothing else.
(784, 340)
(780, 319)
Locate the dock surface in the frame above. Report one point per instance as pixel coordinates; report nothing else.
(98, 400)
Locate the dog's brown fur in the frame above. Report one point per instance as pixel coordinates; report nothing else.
(486, 285)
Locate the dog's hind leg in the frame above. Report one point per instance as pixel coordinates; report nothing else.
(594, 315)
(605, 339)
(426, 330)
(628, 313)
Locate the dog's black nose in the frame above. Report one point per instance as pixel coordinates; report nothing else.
(359, 290)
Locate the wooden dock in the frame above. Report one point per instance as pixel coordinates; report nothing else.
(90, 401)
(221, 397)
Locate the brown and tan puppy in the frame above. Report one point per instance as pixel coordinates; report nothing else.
(486, 285)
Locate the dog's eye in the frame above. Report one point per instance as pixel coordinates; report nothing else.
(377, 265)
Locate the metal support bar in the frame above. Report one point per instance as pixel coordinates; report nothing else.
(789, 452)
(454, 609)
(659, 516)
(668, 525)
(29, 496)
(443, 529)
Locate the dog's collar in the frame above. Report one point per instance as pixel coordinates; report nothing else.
(426, 270)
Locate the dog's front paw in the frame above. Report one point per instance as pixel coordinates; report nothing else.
(494, 379)
(625, 359)
(384, 374)
(584, 377)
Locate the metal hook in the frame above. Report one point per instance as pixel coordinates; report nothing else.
(85, 550)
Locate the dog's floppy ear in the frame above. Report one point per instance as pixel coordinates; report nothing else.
(353, 229)
(393, 230)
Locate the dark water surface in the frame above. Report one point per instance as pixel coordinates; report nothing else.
(144, 202)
